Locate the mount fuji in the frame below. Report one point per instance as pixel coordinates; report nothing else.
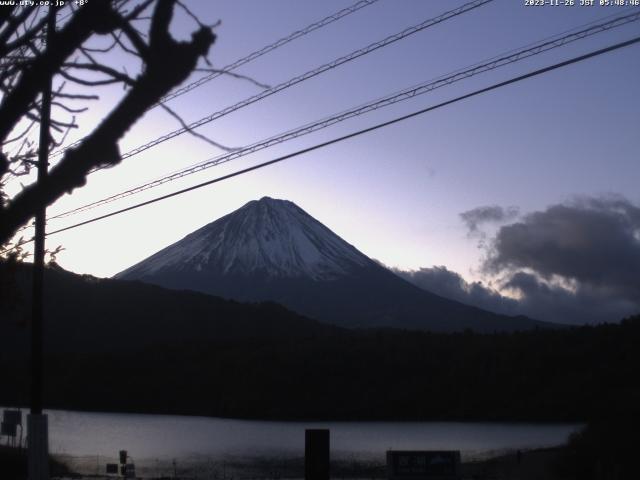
(272, 250)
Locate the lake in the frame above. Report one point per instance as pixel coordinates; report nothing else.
(89, 440)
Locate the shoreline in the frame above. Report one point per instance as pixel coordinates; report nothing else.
(470, 420)
(531, 464)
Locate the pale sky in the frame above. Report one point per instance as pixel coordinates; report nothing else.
(395, 194)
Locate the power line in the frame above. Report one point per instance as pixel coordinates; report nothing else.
(360, 132)
(258, 53)
(252, 56)
(493, 63)
(353, 55)
(310, 74)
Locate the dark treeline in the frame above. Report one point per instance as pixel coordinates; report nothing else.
(572, 374)
(602, 450)
(88, 314)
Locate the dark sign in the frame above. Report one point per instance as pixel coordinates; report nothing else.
(423, 464)
(123, 457)
(130, 470)
(8, 429)
(12, 416)
(112, 468)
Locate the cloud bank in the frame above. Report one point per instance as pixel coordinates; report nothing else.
(449, 284)
(575, 263)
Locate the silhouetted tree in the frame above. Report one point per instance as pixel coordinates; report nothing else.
(74, 61)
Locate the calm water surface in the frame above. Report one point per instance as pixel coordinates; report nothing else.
(155, 439)
(81, 433)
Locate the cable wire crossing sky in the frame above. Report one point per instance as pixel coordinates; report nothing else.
(469, 201)
(379, 103)
(361, 132)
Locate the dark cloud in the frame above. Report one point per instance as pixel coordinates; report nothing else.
(536, 298)
(593, 243)
(449, 284)
(476, 217)
(572, 263)
(578, 305)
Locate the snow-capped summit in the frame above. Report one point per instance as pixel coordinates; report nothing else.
(273, 250)
(267, 236)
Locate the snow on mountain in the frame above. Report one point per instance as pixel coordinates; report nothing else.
(272, 250)
(266, 236)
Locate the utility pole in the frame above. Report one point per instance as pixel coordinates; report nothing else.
(37, 424)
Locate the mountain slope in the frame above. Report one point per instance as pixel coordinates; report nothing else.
(269, 237)
(273, 250)
(88, 314)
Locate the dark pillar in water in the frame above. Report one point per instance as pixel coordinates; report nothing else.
(316, 454)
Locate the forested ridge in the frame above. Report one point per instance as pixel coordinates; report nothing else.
(126, 346)
(567, 375)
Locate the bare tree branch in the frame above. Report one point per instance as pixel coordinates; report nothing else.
(93, 17)
(194, 133)
(135, 39)
(135, 13)
(68, 109)
(238, 76)
(77, 96)
(57, 143)
(13, 23)
(116, 76)
(89, 83)
(22, 134)
(167, 63)
(26, 38)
